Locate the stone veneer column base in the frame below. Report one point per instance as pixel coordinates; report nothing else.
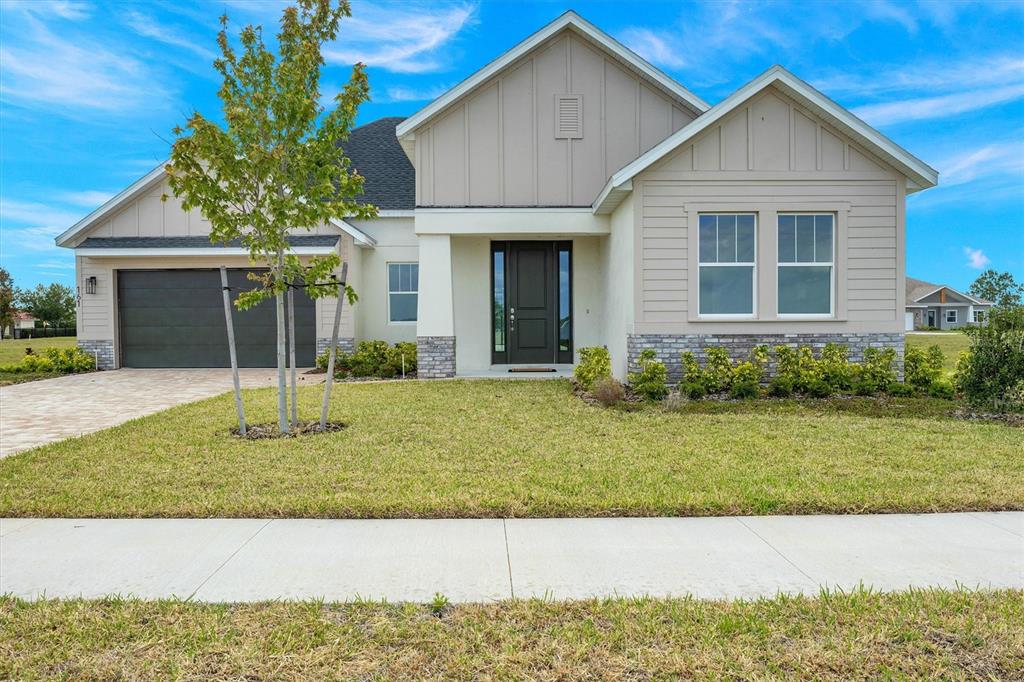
(435, 357)
(101, 349)
(345, 345)
(670, 347)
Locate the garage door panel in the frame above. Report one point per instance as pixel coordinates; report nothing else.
(175, 318)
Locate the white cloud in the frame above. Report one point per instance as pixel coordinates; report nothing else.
(1006, 157)
(943, 75)
(407, 94)
(654, 48)
(404, 38)
(64, 9)
(72, 74)
(942, 106)
(148, 27)
(87, 198)
(31, 238)
(976, 258)
(886, 11)
(33, 213)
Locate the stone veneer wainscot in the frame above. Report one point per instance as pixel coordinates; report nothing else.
(101, 349)
(435, 357)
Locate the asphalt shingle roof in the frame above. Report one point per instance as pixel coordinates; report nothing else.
(916, 288)
(375, 153)
(192, 242)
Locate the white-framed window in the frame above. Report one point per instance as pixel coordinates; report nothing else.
(403, 288)
(951, 315)
(806, 260)
(727, 264)
(979, 316)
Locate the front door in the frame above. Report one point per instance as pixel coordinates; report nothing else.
(532, 302)
(931, 318)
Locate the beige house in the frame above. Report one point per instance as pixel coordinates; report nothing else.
(937, 306)
(567, 194)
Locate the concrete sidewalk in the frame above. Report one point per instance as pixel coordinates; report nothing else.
(239, 560)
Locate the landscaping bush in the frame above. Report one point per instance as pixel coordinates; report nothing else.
(692, 372)
(876, 373)
(56, 360)
(834, 367)
(780, 387)
(694, 390)
(902, 390)
(942, 388)
(373, 359)
(991, 375)
(718, 370)
(595, 363)
(798, 366)
(746, 378)
(608, 391)
(818, 388)
(922, 368)
(652, 380)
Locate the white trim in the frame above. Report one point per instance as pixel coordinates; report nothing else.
(956, 316)
(752, 315)
(114, 202)
(472, 210)
(804, 264)
(360, 237)
(395, 213)
(958, 293)
(213, 251)
(568, 20)
(387, 274)
(921, 174)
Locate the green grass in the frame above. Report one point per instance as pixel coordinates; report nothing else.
(920, 635)
(524, 448)
(12, 350)
(951, 344)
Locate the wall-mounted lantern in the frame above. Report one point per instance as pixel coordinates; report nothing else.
(90, 285)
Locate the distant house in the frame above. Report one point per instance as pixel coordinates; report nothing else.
(23, 320)
(941, 306)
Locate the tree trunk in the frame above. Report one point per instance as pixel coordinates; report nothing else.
(282, 389)
(333, 350)
(231, 350)
(291, 355)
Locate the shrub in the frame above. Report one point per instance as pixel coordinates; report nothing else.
(797, 365)
(942, 388)
(902, 390)
(834, 367)
(818, 388)
(652, 380)
(692, 372)
(876, 373)
(780, 387)
(922, 368)
(992, 375)
(59, 360)
(608, 391)
(718, 370)
(694, 390)
(747, 376)
(373, 359)
(595, 363)
(406, 350)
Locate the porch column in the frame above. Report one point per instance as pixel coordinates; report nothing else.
(435, 326)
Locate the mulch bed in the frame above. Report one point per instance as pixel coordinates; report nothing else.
(262, 431)
(351, 379)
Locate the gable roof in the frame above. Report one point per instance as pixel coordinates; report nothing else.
(568, 20)
(918, 289)
(372, 148)
(919, 174)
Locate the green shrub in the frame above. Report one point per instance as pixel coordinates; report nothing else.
(746, 376)
(718, 370)
(373, 359)
(56, 360)
(992, 375)
(692, 372)
(780, 387)
(902, 390)
(818, 388)
(798, 366)
(942, 388)
(922, 368)
(652, 380)
(834, 367)
(694, 390)
(406, 350)
(595, 363)
(876, 373)
(608, 391)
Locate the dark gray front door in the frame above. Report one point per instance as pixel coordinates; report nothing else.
(533, 330)
(175, 318)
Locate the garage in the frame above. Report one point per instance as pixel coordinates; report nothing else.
(175, 318)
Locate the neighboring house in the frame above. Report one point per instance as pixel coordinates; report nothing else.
(23, 320)
(942, 307)
(568, 194)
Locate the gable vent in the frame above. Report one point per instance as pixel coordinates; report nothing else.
(568, 116)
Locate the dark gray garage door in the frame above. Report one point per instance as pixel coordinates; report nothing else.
(175, 318)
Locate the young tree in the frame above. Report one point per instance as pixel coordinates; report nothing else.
(999, 287)
(277, 163)
(6, 301)
(53, 304)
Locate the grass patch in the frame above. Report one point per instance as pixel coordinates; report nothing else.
(12, 350)
(926, 635)
(524, 449)
(951, 343)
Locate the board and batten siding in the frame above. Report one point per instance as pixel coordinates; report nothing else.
(497, 146)
(771, 156)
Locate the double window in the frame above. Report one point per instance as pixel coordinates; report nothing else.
(728, 248)
(951, 315)
(403, 288)
(806, 262)
(979, 316)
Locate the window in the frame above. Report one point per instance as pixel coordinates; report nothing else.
(498, 297)
(403, 285)
(564, 302)
(951, 315)
(979, 316)
(806, 248)
(726, 264)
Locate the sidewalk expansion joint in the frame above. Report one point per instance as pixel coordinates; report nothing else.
(508, 559)
(230, 557)
(775, 549)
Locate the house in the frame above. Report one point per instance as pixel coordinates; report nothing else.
(567, 194)
(24, 320)
(942, 307)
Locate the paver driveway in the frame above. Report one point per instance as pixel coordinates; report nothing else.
(41, 412)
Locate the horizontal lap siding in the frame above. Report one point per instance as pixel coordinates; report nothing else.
(871, 238)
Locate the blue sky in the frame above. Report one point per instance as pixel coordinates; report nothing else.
(89, 92)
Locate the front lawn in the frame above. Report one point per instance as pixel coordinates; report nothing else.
(525, 448)
(925, 635)
(951, 343)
